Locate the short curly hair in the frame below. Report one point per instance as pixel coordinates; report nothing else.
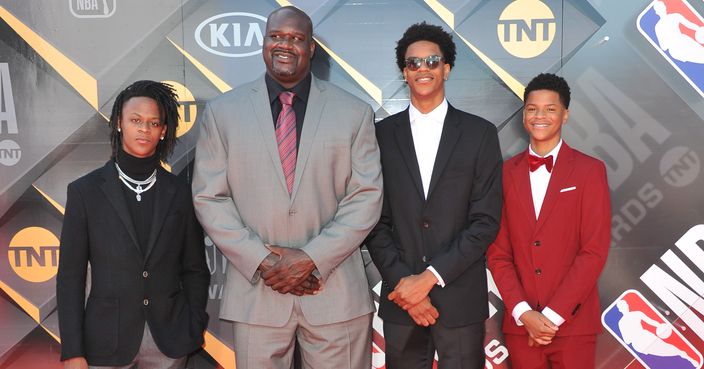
(552, 82)
(425, 32)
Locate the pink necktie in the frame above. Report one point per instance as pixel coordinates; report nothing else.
(286, 137)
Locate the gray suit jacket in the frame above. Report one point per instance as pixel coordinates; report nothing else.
(241, 200)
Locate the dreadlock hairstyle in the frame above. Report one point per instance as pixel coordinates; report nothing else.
(166, 100)
(426, 32)
(552, 82)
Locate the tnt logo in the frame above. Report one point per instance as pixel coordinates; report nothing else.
(34, 254)
(643, 331)
(92, 8)
(10, 153)
(526, 28)
(676, 31)
(234, 35)
(680, 166)
(187, 109)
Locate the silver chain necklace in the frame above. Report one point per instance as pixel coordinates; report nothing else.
(139, 189)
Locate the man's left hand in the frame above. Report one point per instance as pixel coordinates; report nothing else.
(292, 269)
(413, 289)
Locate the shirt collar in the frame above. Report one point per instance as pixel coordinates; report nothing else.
(302, 89)
(436, 115)
(552, 152)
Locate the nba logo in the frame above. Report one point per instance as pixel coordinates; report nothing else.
(676, 31)
(647, 335)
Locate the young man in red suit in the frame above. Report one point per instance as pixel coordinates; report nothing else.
(553, 240)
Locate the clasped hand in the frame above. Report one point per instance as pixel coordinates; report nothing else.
(288, 270)
(541, 330)
(411, 294)
(413, 289)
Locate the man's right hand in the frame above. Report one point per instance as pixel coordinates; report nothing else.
(540, 329)
(76, 363)
(424, 313)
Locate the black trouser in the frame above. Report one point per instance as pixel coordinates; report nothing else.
(413, 346)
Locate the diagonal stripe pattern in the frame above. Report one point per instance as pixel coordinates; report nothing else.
(286, 137)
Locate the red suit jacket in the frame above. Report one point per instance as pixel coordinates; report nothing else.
(556, 260)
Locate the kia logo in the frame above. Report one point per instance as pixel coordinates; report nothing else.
(234, 35)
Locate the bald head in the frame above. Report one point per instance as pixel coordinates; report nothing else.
(291, 12)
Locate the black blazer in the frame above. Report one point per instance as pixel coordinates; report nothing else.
(452, 229)
(168, 287)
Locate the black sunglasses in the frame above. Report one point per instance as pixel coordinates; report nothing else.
(414, 63)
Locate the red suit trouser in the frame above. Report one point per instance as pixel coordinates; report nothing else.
(568, 352)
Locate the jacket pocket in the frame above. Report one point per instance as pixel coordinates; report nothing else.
(101, 321)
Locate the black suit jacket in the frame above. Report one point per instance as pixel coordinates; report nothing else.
(167, 286)
(452, 229)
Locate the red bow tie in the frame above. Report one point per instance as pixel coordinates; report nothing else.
(535, 162)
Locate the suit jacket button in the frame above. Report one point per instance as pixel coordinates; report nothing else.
(145, 274)
(536, 243)
(292, 212)
(538, 271)
(426, 225)
(146, 302)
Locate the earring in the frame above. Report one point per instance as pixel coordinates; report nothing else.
(118, 129)
(162, 138)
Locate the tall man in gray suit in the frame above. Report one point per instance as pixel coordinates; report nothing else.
(287, 183)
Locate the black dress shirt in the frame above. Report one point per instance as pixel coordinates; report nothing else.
(302, 89)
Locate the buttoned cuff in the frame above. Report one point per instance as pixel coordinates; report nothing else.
(553, 316)
(521, 308)
(440, 282)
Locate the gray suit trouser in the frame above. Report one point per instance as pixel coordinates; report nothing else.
(343, 345)
(149, 357)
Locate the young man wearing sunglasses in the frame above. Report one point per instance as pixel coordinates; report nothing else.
(441, 210)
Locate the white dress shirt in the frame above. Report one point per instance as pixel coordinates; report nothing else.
(427, 130)
(539, 181)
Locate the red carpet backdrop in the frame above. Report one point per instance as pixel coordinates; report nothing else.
(637, 78)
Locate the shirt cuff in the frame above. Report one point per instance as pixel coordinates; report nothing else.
(553, 316)
(441, 282)
(521, 308)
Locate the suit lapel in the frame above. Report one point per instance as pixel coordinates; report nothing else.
(560, 174)
(113, 191)
(262, 108)
(520, 180)
(404, 140)
(163, 200)
(311, 121)
(448, 139)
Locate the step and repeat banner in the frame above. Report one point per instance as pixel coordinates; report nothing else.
(636, 69)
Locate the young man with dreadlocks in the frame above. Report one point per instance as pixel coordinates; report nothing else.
(441, 210)
(134, 223)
